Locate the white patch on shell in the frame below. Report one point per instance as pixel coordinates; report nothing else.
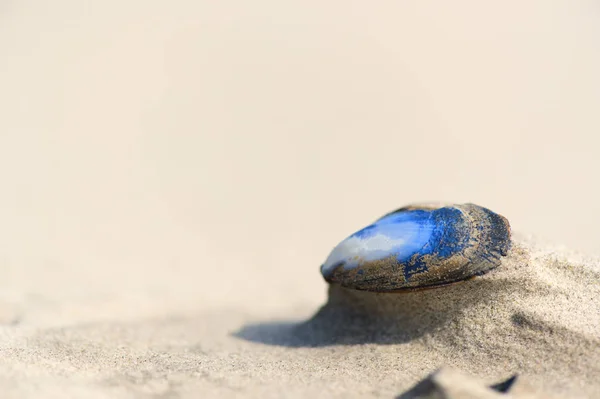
(355, 250)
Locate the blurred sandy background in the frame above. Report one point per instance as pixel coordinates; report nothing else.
(158, 156)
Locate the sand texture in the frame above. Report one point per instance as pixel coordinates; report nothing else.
(536, 316)
(173, 175)
(449, 383)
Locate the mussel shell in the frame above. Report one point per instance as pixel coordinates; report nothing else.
(420, 246)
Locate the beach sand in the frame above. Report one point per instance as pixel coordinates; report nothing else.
(173, 175)
(536, 316)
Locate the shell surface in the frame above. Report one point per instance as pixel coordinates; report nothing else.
(419, 247)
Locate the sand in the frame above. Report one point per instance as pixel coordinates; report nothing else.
(537, 316)
(173, 175)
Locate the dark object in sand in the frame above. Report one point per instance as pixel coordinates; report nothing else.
(420, 246)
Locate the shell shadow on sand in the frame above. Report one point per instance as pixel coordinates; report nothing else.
(378, 277)
(356, 317)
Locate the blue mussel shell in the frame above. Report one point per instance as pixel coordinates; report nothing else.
(419, 247)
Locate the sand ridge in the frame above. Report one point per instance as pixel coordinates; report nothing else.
(537, 315)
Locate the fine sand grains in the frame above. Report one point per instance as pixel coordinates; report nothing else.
(537, 315)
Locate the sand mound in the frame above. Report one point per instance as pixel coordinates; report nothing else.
(538, 316)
